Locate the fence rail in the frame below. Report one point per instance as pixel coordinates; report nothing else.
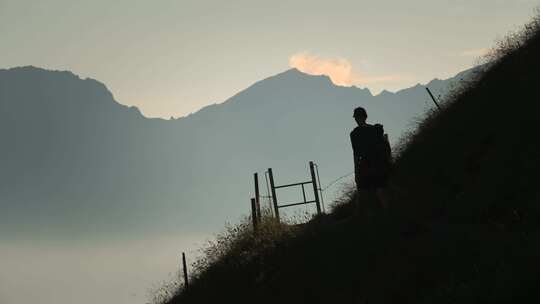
(272, 187)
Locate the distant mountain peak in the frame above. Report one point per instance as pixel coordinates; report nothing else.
(294, 75)
(294, 72)
(39, 71)
(63, 88)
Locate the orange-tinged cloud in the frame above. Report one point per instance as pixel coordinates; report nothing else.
(339, 70)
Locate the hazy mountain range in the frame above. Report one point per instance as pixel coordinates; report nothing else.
(74, 162)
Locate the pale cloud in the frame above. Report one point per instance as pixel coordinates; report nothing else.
(474, 52)
(339, 70)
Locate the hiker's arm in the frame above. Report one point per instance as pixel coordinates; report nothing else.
(355, 163)
(356, 171)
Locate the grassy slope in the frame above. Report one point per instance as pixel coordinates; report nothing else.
(464, 219)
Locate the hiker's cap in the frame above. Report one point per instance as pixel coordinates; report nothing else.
(360, 112)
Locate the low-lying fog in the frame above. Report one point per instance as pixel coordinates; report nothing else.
(120, 272)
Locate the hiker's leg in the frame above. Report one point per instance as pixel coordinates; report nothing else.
(382, 197)
(358, 202)
(364, 201)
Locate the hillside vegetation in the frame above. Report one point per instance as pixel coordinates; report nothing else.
(463, 225)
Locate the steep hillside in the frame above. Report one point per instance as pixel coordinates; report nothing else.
(76, 163)
(463, 226)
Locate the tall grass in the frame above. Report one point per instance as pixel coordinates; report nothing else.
(239, 244)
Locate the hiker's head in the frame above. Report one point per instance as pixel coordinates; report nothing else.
(360, 115)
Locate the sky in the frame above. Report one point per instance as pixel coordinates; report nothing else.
(171, 58)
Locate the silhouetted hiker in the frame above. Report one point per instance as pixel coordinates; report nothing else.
(372, 157)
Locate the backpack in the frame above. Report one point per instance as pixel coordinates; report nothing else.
(382, 144)
(379, 150)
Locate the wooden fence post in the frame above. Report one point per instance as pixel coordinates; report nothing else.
(274, 198)
(184, 264)
(315, 188)
(257, 196)
(433, 98)
(254, 217)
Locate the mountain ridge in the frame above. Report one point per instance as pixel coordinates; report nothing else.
(72, 149)
(287, 75)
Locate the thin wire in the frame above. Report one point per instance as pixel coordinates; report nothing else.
(336, 180)
(269, 197)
